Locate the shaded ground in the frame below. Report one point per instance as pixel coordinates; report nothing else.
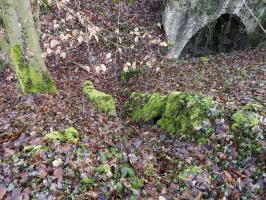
(155, 157)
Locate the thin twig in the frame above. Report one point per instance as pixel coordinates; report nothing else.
(117, 41)
(257, 20)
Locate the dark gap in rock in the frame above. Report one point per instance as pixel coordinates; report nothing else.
(225, 35)
(155, 120)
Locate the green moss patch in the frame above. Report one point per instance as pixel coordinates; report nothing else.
(125, 76)
(101, 100)
(247, 129)
(247, 118)
(69, 135)
(189, 114)
(190, 171)
(31, 80)
(36, 148)
(179, 112)
(147, 106)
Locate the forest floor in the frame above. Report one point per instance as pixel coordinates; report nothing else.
(115, 158)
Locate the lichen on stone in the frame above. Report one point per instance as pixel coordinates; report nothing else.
(69, 135)
(101, 100)
(31, 80)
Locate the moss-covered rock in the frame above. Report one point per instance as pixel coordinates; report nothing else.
(189, 114)
(101, 100)
(247, 129)
(135, 104)
(147, 106)
(69, 135)
(179, 112)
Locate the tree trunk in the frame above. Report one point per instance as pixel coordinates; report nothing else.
(25, 49)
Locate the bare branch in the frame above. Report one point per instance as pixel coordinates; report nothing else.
(257, 20)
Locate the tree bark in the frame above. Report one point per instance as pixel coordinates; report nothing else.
(25, 51)
(36, 6)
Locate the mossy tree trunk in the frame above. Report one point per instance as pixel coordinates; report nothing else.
(25, 51)
(4, 46)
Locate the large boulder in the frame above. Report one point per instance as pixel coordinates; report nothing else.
(182, 19)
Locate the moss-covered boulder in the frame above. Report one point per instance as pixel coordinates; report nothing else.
(101, 100)
(147, 107)
(247, 129)
(69, 135)
(179, 112)
(189, 114)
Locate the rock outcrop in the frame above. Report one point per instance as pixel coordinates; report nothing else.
(182, 19)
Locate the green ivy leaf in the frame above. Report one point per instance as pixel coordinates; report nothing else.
(127, 171)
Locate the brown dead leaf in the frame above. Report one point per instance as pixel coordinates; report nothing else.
(222, 156)
(9, 152)
(58, 173)
(228, 176)
(2, 191)
(42, 173)
(235, 195)
(92, 194)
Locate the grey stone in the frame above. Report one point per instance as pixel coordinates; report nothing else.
(182, 19)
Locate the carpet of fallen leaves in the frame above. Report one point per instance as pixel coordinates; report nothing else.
(96, 40)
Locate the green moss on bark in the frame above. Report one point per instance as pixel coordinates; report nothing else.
(31, 80)
(101, 100)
